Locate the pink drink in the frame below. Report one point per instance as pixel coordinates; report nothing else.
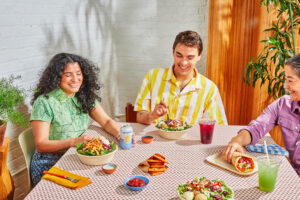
(206, 130)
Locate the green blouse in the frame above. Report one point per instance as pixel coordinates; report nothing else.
(63, 113)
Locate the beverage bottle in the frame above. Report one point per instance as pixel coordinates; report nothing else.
(126, 136)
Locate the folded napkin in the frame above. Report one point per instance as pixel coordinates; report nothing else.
(64, 182)
(272, 149)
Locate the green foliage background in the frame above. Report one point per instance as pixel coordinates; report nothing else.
(10, 98)
(278, 48)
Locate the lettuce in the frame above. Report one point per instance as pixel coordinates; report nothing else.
(79, 147)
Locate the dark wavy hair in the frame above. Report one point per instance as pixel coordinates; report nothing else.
(51, 78)
(190, 39)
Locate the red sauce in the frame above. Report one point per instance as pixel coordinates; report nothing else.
(136, 182)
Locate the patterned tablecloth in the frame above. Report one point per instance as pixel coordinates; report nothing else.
(187, 160)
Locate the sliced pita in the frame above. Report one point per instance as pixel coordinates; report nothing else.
(144, 166)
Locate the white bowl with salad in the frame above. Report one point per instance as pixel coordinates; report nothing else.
(173, 129)
(204, 189)
(97, 151)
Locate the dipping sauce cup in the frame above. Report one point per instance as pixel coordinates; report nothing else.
(267, 172)
(206, 130)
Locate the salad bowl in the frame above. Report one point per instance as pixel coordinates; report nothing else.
(173, 131)
(92, 158)
(202, 188)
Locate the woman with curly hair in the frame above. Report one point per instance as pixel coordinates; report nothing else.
(65, 97)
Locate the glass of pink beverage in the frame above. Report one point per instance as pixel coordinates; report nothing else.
(206, 130)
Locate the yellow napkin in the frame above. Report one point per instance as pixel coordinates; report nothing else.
(64, 182)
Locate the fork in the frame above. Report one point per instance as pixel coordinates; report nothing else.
(62, 176)
(168, 117)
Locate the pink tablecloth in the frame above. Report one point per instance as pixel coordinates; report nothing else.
(187, 160)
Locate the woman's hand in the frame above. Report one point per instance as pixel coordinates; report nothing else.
(80, 139)
(133, 138)
(236, 144)
(229, 149)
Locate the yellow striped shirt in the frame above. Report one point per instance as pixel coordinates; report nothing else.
(199, 99)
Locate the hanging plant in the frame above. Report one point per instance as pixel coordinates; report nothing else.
(279, 46)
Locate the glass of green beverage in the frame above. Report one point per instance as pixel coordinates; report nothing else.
(267, 172)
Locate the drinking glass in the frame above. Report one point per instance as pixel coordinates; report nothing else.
(267, 172)
(206, 130)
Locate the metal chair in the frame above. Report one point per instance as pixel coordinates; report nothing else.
(26, 141)
(130, 113)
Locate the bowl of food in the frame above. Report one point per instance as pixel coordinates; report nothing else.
(203, 189)
(136, 182)
(97, 151)
(173, 129)
(147, 139)
(109, 168)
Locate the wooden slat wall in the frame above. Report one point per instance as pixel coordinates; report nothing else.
(235, 29)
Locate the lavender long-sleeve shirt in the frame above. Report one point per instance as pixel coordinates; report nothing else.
(286, 113)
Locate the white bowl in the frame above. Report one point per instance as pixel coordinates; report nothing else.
(173, 135)
(97, 160)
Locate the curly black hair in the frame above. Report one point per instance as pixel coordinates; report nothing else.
(51, 78)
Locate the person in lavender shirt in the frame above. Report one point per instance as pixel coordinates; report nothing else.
(284, 112)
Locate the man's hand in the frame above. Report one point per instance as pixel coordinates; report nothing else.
(230, 148)
(160, 110)
(146, 117)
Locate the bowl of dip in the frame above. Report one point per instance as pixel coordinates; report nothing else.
(109, 168)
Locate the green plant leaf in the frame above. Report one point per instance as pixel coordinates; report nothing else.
(255, 77)
(268, 66)
(11, 97)
(263, 80)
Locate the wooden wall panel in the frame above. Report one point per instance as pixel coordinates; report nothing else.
(235, 29)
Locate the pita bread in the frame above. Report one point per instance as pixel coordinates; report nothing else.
(144, 166)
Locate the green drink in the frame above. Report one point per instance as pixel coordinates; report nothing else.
(267, 173)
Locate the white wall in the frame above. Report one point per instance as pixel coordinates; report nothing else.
(126, 38)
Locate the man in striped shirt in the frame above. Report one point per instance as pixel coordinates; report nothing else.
(180, 90)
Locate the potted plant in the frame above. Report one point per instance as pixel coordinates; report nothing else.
(10, 98)
(279, 46)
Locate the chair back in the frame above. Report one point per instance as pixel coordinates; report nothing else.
(130, 113)
(26, 141)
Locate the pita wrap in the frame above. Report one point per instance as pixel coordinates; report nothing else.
(242, 162)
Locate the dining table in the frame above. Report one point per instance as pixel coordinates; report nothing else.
(186, 157)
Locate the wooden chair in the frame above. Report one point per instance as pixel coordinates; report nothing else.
(130, 113)
(26, 141)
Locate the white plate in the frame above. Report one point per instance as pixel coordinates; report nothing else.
(217, 160)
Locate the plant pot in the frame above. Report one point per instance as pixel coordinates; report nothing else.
(2, 132)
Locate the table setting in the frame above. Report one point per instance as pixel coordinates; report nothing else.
(170, 166)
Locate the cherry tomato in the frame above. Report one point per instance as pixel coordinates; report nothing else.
(218, 183)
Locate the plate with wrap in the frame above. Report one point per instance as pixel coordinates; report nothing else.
(242, 164)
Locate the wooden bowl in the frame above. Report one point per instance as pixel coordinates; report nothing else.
(147, 139)
(109, 168)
